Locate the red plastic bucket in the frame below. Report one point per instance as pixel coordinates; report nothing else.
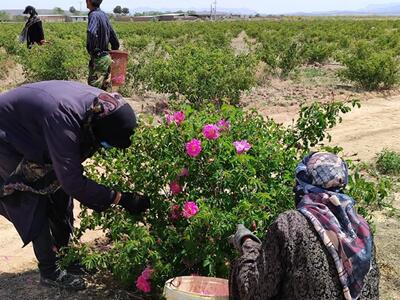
(118, 67)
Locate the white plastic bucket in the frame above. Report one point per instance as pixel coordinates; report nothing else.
(196, 288)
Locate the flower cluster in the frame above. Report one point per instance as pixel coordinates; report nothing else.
(143, 281)
(190, 209)
(177, 118)
(242, 146)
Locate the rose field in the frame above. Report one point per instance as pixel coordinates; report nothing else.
(226, 111)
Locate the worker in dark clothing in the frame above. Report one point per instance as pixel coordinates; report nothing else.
(33, 30)
(99, 34)
(47, 129)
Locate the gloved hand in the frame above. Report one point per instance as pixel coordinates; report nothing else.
(238, 238)
(134, 203)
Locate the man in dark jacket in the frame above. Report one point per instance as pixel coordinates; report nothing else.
(47, 129)
(33, 30)
(99, 34)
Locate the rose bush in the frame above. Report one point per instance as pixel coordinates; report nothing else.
(200, 189)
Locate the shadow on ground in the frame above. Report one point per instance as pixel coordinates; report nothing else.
(25, 286)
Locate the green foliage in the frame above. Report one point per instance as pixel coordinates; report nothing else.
(315, 119)
(285, 56)
(4, 16)
(388, 162)
(59, 60)
(371, 68)
(369, 195)
(251, 188)
(200, 75)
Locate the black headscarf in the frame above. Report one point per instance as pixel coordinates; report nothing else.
(114, 121)
(30, 10)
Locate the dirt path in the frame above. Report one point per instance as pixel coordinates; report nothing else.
(364, 132)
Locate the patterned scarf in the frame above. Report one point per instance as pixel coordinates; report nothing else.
(320, 177)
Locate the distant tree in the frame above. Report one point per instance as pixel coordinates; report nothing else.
(4, 16)
(72, 10)
(58, 11)
(125, 11)
(117, 10)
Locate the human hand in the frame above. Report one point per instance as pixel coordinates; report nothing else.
(240, 236)
(134, 203)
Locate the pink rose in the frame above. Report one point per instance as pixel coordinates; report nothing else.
(224, 125)
(175, 188)
(146, 274)
(169, 118)
(190, 209)
(211, 131)
(193, 148)
(179, 117)
(242, 146)
(174, 212)
(143, 285)
(184, 172)
(143, 281)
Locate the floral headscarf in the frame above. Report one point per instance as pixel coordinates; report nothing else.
(320, 178)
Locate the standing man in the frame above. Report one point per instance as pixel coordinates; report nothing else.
(99, 34)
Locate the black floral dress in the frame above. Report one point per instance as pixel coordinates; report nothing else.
(292, 263)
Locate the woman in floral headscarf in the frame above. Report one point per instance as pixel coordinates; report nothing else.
(322, 250)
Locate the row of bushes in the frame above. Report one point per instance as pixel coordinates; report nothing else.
(195, 60)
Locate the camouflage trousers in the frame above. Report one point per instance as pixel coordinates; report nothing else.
(100, 72)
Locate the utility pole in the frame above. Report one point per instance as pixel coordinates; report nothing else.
(213, 12)
(80, 7)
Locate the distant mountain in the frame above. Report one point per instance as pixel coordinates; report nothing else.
(392, 9)
(383, 9)
(240, 11)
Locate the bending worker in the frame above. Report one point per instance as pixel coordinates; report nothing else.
(47, 129)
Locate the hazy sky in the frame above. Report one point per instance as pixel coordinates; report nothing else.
(262, 6)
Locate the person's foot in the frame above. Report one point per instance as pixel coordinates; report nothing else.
(64, 280)
(78, 269)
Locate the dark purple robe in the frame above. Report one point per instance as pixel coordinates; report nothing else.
(42, 122)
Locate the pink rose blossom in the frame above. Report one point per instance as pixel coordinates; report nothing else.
(175, 188)
(242, 146)
(190, 209)
(146, 274)
(211, 131)
(169, 118)
(193, 148)
(224, 125)
(184, 172)
(143, 285)
(179, 117)
(174, 212)
(143, 281)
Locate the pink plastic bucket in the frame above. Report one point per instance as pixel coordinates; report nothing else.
(196, 288)
(118, 67)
